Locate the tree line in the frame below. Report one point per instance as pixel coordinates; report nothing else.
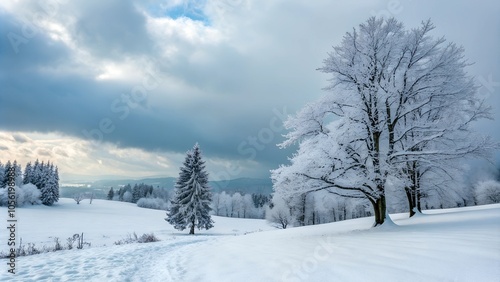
(39, 184)
(223, 204)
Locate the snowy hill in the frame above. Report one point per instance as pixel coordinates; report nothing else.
(445, 245)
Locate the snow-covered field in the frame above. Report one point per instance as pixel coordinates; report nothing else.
(446, 245)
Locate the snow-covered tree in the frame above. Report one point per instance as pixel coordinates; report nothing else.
(279, 214)
(127, 196)
(6, 178)
(216, 203)
(246, 206)
(45, 176)
(2, 172)
(226, 203)
(191, 204)
(236, 202)
(78, 197)
(28, 174)
(18, 173)
(141, 191)
(111, 194)
(36, 176)
(488, 192)
(49, 186)
(136, 193)
(400, 104)
(56, 182)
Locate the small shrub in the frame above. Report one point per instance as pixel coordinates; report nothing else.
(78, 198)
(79, 242)
(57, 246)
(133, 238)
(152, 203)
(148, 238)
(31, 249)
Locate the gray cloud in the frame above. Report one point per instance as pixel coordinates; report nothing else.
(220, 94)
(110, 28)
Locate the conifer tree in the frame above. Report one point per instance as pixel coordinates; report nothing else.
(49, 186)
(111, 194)
(28, 174)
(56, 183)
(136, 193)
(18, 173)
(2, 171)
(36, 176)
(5, 178)
(192, 199)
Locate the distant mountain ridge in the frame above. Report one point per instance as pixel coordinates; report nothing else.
(241, 185)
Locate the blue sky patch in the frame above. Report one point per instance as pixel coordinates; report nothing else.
(189, 9)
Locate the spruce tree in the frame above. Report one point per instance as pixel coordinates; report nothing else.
(56, 183)
(36, 176)
(136, 193)
(49, 186)
(28, 174)
(2, 171)
(18, 173)
(111, 194)
(5, 179)
(192, 199)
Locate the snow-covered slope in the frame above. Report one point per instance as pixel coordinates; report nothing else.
(446, 245)
(105, 222)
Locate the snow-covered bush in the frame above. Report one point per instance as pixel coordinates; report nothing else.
(31, 194)
(127, 197)
(279, 215)
(27, 194)
(488, 192)
(152, 203)
(4, 196)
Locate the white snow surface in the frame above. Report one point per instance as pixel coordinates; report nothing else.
(441, 245)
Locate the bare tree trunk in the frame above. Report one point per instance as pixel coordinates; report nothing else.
(410, 200)
(418, 194)
(379, 207)
(192, 227)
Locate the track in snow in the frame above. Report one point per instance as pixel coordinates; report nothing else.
(161, 261)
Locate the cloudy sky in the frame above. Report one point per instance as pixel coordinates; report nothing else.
(125, 88)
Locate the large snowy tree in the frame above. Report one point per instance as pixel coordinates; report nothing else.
(400, 105)
(191, 203)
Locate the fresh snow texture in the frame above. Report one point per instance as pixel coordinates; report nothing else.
(443, 245)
